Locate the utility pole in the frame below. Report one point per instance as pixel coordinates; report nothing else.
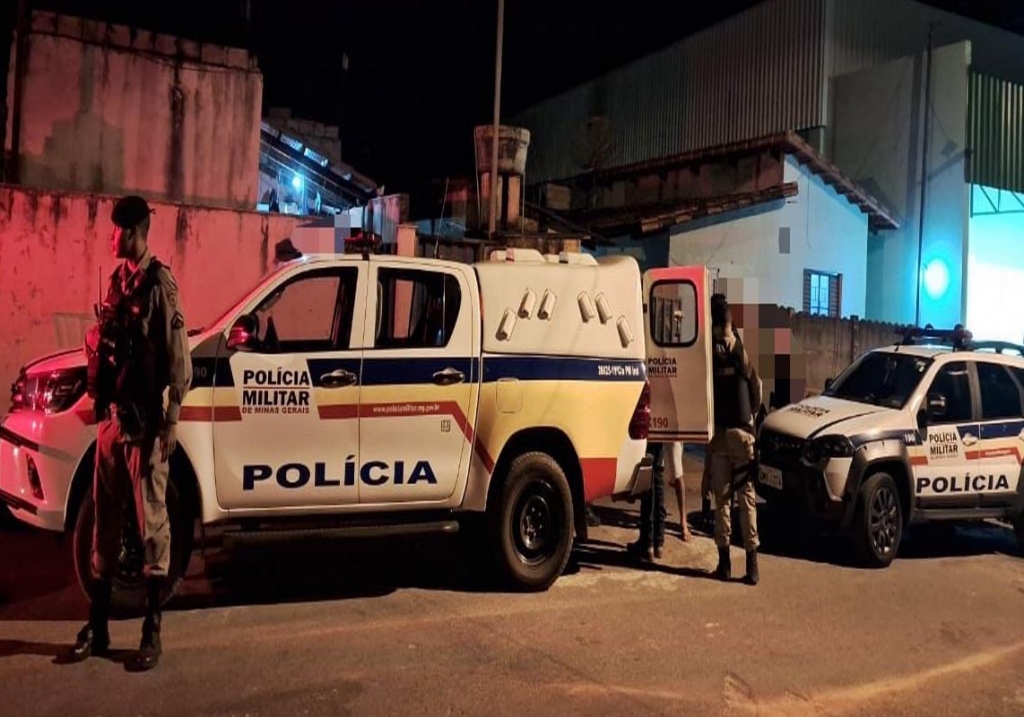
(924, 172)
(492, 218)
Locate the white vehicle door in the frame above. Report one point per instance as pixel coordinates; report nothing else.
(420, 382)
(678, 335)
(286, 433)
(1001, 450)
(950, 442)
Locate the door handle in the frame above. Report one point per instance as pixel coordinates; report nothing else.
(338, 379)
(449, 376)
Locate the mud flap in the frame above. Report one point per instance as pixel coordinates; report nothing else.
(640, 483)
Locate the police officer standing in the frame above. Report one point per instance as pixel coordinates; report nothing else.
(737, 396)
(651, 541)
(137, 350)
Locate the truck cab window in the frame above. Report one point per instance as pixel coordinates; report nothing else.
(1000, 395)
(309, 314)
(416, 309)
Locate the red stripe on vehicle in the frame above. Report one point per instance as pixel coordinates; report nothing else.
(998, 453)
(408, 409)
(598, 477)
(339, 411)
(210, 413)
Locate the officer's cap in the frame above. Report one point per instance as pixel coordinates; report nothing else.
(130, 211)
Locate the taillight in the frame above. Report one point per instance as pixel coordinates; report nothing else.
(640, 424)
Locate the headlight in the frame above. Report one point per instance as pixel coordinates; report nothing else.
(827, 447)
(52, 391)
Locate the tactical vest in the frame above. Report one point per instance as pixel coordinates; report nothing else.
(127, 369)
(732, 396)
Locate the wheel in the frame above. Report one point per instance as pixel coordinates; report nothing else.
(878, 523)
(128, 592)
(533, 523)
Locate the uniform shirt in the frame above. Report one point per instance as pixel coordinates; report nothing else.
(726, 334)
(167, 321)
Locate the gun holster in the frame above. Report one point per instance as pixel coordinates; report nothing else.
(132, 420)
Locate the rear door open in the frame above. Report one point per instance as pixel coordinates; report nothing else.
(677, 317)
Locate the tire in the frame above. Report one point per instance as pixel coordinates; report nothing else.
(878, 522)
(532, 523)
(128, 593)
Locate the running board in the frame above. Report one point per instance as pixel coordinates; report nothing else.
(277, 532)
(922, 515)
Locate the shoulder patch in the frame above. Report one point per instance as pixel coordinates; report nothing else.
(169, 286)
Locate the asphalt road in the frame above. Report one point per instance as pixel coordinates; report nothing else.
(401, 627)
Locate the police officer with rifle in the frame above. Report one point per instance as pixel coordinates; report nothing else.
(137, 351)
(732, 450)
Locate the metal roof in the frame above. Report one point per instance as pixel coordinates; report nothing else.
(879, 216)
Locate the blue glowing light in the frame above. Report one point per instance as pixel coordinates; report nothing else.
(297, 182)
(936, 278)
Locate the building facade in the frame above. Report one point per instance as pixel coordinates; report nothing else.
(855, 79)
(98, 107)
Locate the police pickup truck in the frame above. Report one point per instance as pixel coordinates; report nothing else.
(930, 429)
(374, 394)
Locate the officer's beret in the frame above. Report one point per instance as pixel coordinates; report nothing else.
(129, 211)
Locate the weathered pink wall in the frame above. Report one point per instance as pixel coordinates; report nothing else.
(110, 109)
(55, 251)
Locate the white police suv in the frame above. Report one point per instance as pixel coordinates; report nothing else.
(931, 429)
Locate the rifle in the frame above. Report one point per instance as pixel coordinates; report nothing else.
(747, 471)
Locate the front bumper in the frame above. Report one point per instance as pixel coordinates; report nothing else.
(806, 490)
(818, 492)
(18, 504)
(35, 472)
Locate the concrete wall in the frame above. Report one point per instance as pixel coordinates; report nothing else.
(877, 137)
(55, 259)
(112, 110)
(827, 346)
(825, 233)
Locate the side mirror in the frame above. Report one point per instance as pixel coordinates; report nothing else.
(936, 405)
(828, 383)
(244, 334)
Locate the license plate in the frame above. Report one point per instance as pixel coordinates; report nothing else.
(771, 477)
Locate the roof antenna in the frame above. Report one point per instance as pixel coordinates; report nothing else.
(444, 200)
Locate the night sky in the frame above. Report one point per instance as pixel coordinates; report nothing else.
(421, 74)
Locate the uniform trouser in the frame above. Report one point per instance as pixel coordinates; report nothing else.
(129, 471)
(652, 503)
(729, 450)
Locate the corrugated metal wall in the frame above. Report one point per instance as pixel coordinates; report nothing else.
(995, 131)
(760, 72)
(871, 32)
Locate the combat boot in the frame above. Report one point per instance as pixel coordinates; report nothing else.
(724, 569)
(149, 647)
(94, 638)
(751, 577)
(640, 550)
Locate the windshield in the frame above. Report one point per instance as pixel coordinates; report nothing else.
(881, 378)
(234, 305)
